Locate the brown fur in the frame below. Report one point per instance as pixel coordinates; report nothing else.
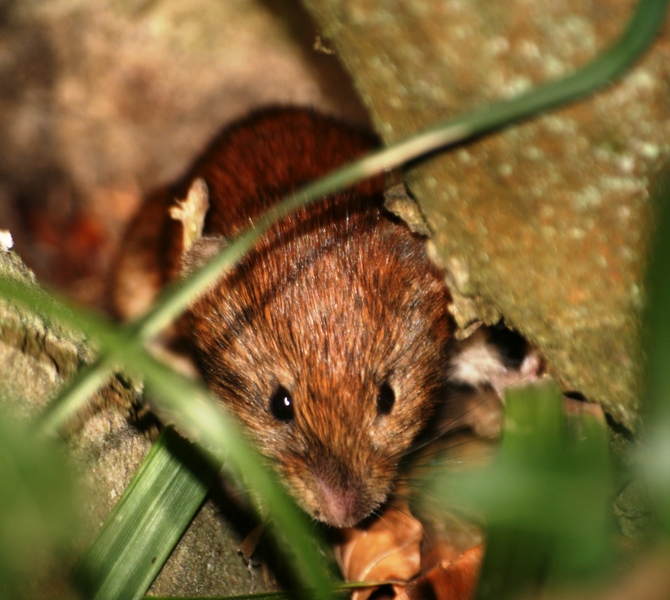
(337, 299)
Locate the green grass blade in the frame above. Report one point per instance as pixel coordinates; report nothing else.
(77, 392)
(147, 522)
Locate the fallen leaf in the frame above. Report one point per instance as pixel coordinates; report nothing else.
(447, 580)
(388, 549)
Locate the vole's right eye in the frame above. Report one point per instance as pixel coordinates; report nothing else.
(281, 405)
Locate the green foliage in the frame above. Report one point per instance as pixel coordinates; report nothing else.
(546, 499)
(38, 508)
(655, 460)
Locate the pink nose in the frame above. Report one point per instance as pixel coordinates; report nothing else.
(341, 505)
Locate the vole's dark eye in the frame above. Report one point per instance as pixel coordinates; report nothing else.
(281, 404)
(385, 399)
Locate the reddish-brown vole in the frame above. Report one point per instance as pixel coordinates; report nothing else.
(330, 341)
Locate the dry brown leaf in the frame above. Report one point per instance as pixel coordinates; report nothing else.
(447, 580)
(389, 549)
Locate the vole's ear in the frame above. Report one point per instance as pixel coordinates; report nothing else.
(190, 213)
(202, 251)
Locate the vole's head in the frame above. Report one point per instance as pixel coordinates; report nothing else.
(330, 344)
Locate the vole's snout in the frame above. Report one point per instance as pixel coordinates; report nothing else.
(342, 498)
(340, 505)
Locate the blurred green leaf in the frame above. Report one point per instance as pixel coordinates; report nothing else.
(546, 499)
(655, 457)
(38, 510)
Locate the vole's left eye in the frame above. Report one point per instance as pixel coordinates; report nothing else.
(385, 399)
(281, 405)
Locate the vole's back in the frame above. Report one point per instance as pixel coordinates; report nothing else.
(330, 341)
(264, 157)
(247, 167)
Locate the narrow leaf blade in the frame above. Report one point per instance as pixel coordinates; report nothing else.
(147, 522)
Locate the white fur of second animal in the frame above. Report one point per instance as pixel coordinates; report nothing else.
(480, 363)
(480, 360)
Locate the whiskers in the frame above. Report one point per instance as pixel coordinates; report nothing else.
(465, 435)
(470, 403)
